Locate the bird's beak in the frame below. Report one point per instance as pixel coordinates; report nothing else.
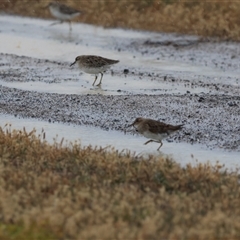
(72, 63)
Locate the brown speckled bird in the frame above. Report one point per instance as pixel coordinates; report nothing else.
(94, 65)
(154, 130)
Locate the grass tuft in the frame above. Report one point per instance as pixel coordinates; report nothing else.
(73, 192)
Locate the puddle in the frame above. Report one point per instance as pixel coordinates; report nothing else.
(181, 152)
(84, 86)
(80, 87)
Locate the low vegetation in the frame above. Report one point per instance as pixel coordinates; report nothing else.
(70, 192)
(206, 18)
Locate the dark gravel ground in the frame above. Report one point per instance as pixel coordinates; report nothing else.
(213, 120)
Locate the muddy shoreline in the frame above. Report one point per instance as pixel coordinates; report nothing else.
(169, 77)
(209, 119)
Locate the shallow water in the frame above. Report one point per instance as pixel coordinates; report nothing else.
(181, 152)
(108, 88)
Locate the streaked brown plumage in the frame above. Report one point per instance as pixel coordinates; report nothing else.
(94, 65)
(154, 130)
(63, 12)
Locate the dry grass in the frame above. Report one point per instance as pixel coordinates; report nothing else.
(56, 192)
(207, 18)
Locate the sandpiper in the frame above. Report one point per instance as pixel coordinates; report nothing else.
(63, 12)
(154, 130)
(94, 65)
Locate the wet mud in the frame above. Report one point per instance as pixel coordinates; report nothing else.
(172, 78)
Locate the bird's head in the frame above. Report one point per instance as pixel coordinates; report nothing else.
(76, 60)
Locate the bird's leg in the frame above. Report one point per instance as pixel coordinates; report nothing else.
(96, 76)
(148, 142)
(100, 79)
(55, 23)
(160, 145)
(70, 26)
(156, 142)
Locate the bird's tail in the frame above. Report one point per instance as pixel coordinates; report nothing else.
(179, 127)
(114, 61)
(173, 128)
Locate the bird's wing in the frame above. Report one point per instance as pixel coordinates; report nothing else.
(160, 127)
(98, 61)
(67, 10)
(109, 61)
(157, 127)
